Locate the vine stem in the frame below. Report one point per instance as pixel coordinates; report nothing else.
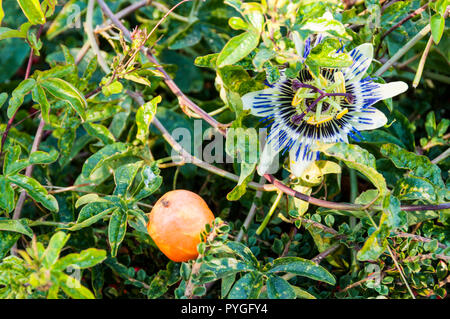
(91, 37)
(270, 213)
(325, 253)
(37, 137)
(441, 157)
(190, 286)
(188, 158)
(403, 50)
(29, 169)
(27, 75)
(402, 21)
(122, 13)
(352, 220)
(423, 59)
(248, 220)
(184, 100)
(400, 270)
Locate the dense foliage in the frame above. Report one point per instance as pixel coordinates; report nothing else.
(94, 130)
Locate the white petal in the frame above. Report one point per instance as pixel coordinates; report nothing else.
(362, 58)
(249, 100)
(344, 138)
(298, 42)
(368, 119)
(391, 89)
(300, 163)
(268, 162)
(367, 93)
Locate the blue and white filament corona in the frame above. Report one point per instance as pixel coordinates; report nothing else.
(304, 111)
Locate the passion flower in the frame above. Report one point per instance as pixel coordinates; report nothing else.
(328, 108)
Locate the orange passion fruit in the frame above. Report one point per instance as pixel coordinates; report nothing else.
(176, 222)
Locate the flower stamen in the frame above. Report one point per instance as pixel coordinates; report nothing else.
(300, 100)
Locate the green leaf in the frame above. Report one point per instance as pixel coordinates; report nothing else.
(430, 124)
(236, 79)
(65, 91)
(17, 226)
(437, 24)
(262, 57)
(441, 128)
(238, 48)
(227, 283)
(376, 244)
(396, 217)
(7, 241)
(3, 97)
(144, 116)
(323, 24)
(237, 23)
(253, 11)
(32, 10)
(113, 88)
(73, 288)
(419, 165)
(88, 198)
(6, 33)
(165, 278)
(124, 176)
(7, 195)
(247, 287)
(303, 294)
(357, 158)
(187, 37)
(151, 180)
(412, 187)
(243, 251)
(91, 220)
(35, 191)
(240, 143)
(18, 95)
(135, 77)
(278, 288)
(107, 153)
(59, 71)
(99, 131)
(117, 229)
(12, 162)
(325, 55)
(92, 209)
(223, 267)
(86, 259)
(56, 243)
(39, 96)
(301, 267)
(207, 61)
(40, 157)
(65, 19)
